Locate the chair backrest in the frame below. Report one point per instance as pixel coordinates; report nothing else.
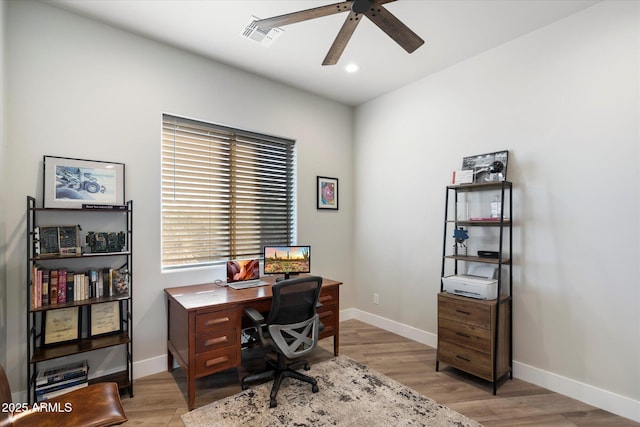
(5, 399)
(294, 300)
(293, 323)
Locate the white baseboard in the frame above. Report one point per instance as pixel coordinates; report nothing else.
(403, 330)
(594, 396)
(154, 365)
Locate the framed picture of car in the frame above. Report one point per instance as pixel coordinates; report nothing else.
(71, 183)
(489, 167)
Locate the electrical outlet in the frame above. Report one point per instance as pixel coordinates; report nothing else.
(376, 299)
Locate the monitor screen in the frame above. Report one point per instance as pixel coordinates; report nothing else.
(287, 260)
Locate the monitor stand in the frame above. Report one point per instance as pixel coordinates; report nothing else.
(287, 276)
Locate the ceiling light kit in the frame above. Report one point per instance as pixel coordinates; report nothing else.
(372, 9)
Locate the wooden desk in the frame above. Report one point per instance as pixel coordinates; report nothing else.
(204, 325)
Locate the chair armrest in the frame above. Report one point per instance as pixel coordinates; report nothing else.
(96, 405)
(254, 315)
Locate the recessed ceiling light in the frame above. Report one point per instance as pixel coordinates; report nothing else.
(351, 68)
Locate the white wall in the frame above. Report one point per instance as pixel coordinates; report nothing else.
(77, 88)
(564, 101)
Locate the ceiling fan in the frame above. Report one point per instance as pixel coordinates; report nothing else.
(372, 9)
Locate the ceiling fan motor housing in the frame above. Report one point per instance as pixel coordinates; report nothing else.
(361, 6)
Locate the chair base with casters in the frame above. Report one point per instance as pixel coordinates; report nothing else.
(290, 330)
(281, 370)
(97, 405)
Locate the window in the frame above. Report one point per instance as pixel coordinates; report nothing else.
(225, 192)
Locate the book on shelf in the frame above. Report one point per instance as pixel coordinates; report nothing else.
(52, 394)
(53, 287)
(45, 287)
(48, 388)
(62, 373)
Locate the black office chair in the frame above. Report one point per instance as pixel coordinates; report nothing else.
(291, 330)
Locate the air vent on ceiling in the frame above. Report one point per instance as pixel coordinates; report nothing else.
(258, 35)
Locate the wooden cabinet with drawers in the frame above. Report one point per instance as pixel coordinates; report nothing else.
(467, 336)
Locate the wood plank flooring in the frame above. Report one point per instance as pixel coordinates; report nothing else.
(160, 399)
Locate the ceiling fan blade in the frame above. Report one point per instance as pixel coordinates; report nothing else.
(342, 39)
(303, 15)
(394, 28)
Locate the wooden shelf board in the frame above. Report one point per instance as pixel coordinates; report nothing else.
(506, 261)
(41, 354)
(82, 302)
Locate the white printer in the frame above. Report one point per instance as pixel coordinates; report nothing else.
(480, 282)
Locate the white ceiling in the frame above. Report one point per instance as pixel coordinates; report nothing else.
(453, 30)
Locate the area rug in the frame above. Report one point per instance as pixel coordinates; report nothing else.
(350, 394)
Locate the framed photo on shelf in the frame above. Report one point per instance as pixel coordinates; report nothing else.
(105, 319)
(61, 325)
(327, 193)
(70, 183)
(489, 167)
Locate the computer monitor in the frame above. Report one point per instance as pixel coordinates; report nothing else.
(287, 260)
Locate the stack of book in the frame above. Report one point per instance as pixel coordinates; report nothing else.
(58, 380)
(50, 287)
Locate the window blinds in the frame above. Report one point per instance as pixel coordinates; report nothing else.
(225, 192)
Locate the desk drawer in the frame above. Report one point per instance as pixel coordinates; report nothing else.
(466, 359)
(328, 296)
(216, 340)
(216, 321)
(217, 360)
(465, 310)
(329, 319)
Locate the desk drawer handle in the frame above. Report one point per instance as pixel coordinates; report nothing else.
(463, 358)
(463, 335)
(218, 360)
(216, 321)
(215, 341)
(463, 312)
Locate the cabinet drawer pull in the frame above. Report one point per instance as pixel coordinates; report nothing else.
(463, 358)
(216, 321)
(463, 312)
(463, 335)
(215, 341)
(216, 361)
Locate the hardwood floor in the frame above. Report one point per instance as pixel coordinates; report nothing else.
(160, 399)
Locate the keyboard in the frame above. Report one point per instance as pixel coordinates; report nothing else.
(248, 284)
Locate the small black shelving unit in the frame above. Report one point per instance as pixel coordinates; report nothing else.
(37, 352)
(474, 335)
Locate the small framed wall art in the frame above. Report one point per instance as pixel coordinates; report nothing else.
(327, 193)
(71, 183)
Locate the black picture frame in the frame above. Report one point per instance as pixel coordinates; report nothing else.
(105, 319)
(60, 326)
(327, 193)
(488, 167)
(70, 183)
